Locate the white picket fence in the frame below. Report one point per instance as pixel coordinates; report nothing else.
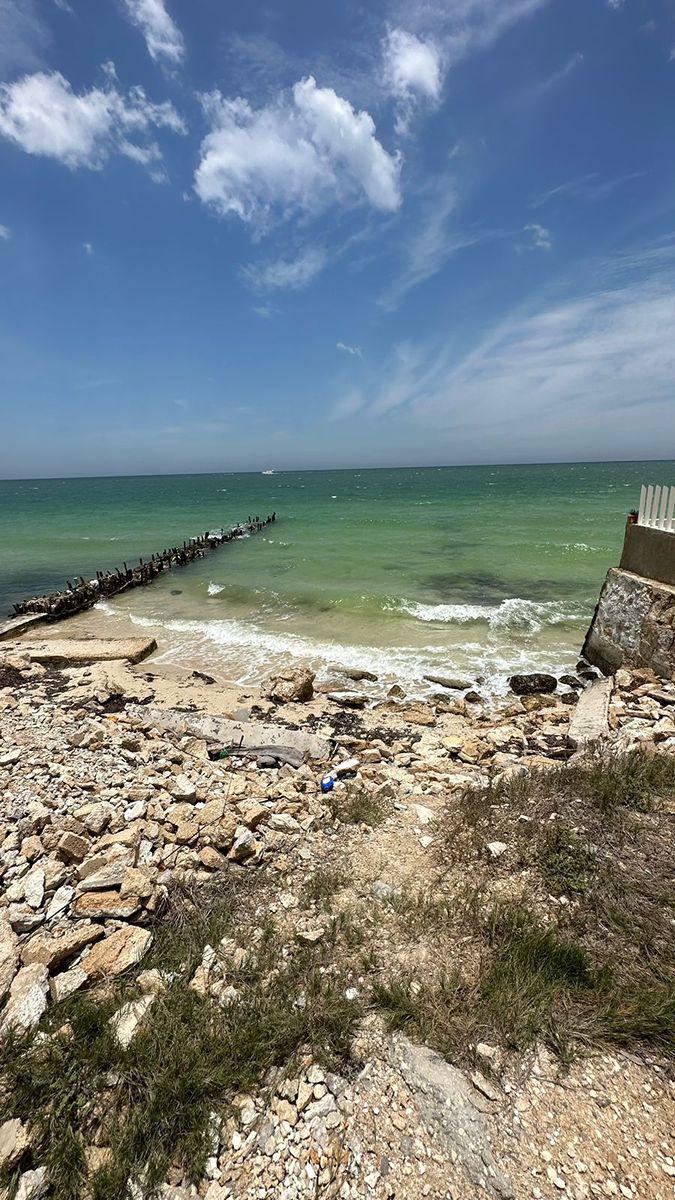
(657, 507)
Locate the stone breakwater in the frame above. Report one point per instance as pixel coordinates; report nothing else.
(106, 806)
(83, 594)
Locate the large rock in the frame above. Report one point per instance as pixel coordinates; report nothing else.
(27, 998)
(32, 1185)
(453, 682)
(455, 1113)
(97, 905)
(118, 952)
(290, 685)
(528, 685)
(51, 950)
(349, 699)
(13, 1142)
(9, 956)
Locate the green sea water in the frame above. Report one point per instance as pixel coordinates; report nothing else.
(475, 570)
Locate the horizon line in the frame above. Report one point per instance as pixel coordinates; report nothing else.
(571, 462)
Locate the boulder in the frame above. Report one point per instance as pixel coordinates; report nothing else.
(118, 952)
(98, 905)
(9, 956)
(348, 699)
(358, 675)
(290, 685)
(27, 998)
(51, 949)
(127, 1019)
(529, 685)
(13, 1143)
(450, 681)
(32, 1185)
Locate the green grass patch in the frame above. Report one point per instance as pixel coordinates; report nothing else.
(151, 1103)
(355, 805)
(533, 985)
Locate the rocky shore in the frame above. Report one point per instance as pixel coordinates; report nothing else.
(122, 787)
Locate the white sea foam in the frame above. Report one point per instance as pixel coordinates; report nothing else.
(214, 588)
(514, 614)
(247, 653)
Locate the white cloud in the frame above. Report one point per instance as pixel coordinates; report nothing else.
(42, 114)
(295, 156)
(354, 351)
(412, 69)
(5, 233)
(539, 237)
(293, 273)
(162, 36)
(88, 248)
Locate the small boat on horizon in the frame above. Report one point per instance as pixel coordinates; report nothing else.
(267, 472)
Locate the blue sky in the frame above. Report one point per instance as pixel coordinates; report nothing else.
(290, 234)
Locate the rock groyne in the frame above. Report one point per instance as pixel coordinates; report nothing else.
(81, 594)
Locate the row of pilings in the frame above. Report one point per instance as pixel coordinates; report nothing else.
(80, 594)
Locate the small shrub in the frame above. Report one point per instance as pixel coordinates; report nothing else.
(355, 805)
(565, 860)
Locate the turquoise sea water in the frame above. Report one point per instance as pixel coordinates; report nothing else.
(479, 569)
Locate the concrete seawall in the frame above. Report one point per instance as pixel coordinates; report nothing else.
(633, 624)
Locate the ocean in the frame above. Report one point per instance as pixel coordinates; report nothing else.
(472, 571)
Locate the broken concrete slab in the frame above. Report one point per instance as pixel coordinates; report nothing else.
(77, 651)
(247, 734)
(590, 719)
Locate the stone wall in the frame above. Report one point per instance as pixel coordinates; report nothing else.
(650, 553)
(633, 624)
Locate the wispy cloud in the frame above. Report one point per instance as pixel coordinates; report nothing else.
(162, 36)
(347, 406)
(354, 351)
(464, 26)
(433, 241)
(5, 233)
(538, 90)
(538, 237)
(24, 36)
(589, 187)
(285, 273)
(600, 357)
(88, 248)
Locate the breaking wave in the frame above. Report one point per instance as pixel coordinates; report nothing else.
(526, 616)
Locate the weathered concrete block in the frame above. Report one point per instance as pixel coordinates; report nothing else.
(633, 625)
